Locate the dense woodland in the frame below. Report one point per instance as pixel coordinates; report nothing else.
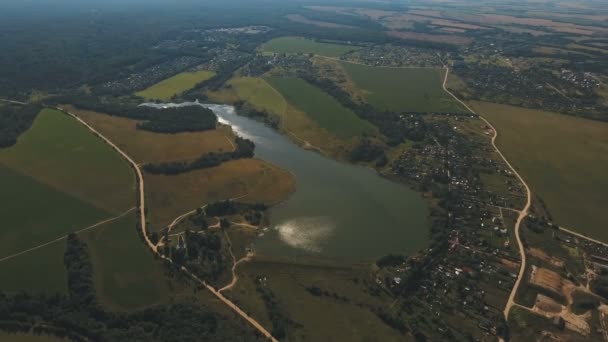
(14, 120)
(158, 120)
(80, 317)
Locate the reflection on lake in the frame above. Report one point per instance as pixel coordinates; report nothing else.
(338, 211)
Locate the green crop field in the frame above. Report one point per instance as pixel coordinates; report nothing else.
(60, 152)
(563, 159)
(403, 89)
(38, 271)
(175, 85)
(34, 213)
(52, 184)
(258, 93)
(127, 276)
(292, 45)
(321, 107)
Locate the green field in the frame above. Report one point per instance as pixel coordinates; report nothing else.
(259, 94)
(34, 213)
(61, 153)
(292, 45)
(403, 89)
(563, 159)
(166, 89)
(126, 275)
(52, 184)
(321, 107)
(38, 271)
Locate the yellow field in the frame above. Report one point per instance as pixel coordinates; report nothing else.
(149, 147)
(564, 159)
(254, 179)
(175, 85)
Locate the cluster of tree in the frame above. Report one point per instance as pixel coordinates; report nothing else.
(202, 254)
(259, 115)
(281, 322)
(397, 127)
(230, 207)
(159, 120)
(391, 260)
(14, 120)
(366, 151)
(79, 317)
(244, 149)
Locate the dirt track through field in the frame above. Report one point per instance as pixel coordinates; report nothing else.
(522, 214)
(152, 246)
(65, 236)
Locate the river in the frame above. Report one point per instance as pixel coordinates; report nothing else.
(339, 211)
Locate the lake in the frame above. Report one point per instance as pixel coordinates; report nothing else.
(339, 211)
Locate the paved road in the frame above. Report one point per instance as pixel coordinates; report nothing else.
(522, 214)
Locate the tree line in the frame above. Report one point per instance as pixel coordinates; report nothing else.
(14, 120)
(158, 120)
(244, 149)
(78, 316)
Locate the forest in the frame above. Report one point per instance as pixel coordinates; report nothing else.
(165, 120)
(14, 120)
(79, 317)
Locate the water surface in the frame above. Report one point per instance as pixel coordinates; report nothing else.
(338, 211)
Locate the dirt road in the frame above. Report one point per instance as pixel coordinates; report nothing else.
(522, 214)
(65, 236)
(142, 212)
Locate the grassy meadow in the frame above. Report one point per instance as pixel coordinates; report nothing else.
(127, 277)
(321, 107)
(295, 45)
(258, 93)
(34, 213)
(175, 85)
(38, 271)
(254, 179)
(295, 123)
(61, 153)
(318, 318)
(563, 159)
(402, 89)
(149, 147)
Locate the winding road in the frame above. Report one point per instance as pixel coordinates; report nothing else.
(152, 246)
(522, 214)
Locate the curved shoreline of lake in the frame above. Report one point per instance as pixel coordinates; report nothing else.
(339, 211)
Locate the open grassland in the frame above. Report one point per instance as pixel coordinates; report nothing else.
(7, 337)
(149, 147)
(252, 180)
(294, 123)
(317, 318)
(38, 271)
(34, 213)
(126, 275)
(302, 45)
(175, 85)
(403, 89)
(564, 159)
(258, 93)
(321, 107)
(60, 152)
